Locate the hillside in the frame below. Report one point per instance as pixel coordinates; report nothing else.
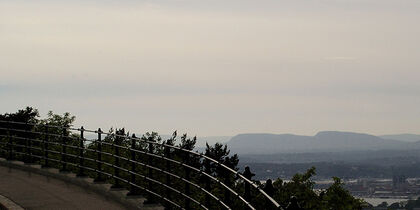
(402, 137)
(325, 141)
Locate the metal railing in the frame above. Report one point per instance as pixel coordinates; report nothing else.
(164, 173)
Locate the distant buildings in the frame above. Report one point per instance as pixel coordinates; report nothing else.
(398, 189)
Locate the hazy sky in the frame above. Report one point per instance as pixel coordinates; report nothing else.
(216, 67)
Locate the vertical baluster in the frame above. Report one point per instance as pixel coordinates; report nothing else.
(9, 143)
(207, 181)
(117, 166)
(63, 151)
(168, 169)
(81, 154)
(26, 139)
(133, 189)
(3, 140)
(248, 174)
(187, 177)
(28, 144)
(269, 189)
(45, 147)
(99, 177)
(228, 183)
(150, 175)
(29, 136)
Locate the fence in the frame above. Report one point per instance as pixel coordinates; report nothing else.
(164, 173)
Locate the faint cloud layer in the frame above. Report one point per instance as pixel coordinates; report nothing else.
(341, 58)
(265, 66)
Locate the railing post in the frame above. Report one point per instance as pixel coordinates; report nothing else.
(31, 158)
(63, 151)
(150, 175)
(269, 189)
(25, 137)
(187, 177)
(168, 169)
(81, 154)
(133, 189)
(207, 181)
(45, 147)
(9, 143)
(99, 177)
(117, 166)
(28, 144)
(247, 174)
(228, 183)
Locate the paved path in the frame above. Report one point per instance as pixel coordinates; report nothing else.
(33, 191)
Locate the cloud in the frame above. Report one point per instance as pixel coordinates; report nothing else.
(340, 58)
(260, 66)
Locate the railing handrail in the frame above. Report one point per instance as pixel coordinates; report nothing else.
(162, 144)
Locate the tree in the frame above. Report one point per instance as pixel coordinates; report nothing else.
(24, 119)
(27, 115)
(17, 124)
(220, 153)
(187, 143)
(65, 120)
(339, 198)
(300, 186)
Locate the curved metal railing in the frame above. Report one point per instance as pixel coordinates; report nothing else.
(163, 172)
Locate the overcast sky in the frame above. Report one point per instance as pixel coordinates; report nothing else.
(216, 67)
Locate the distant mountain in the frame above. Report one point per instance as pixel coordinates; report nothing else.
(267, 143)
(402, 137)
(211, 140)
(325, 141)
(348, 141)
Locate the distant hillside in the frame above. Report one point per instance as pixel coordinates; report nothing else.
(325, 141)
(402, 137)
(211, 140)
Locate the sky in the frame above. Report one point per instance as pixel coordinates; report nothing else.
(214, 67)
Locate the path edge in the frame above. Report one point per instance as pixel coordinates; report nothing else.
(119, 196)
(6, 203)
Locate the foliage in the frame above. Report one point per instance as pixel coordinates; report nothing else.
(149, 156)
(411, 204)
(27, 115)
(65, 120)
(337, 197)
(301, 186)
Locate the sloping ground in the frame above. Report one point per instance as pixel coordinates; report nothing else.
(31, 190)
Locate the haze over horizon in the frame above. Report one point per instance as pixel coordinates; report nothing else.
(216, 68)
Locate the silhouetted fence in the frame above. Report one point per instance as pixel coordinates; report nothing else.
(164, 173)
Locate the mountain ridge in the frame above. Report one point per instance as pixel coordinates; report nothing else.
(408, 137)
(266, 143)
